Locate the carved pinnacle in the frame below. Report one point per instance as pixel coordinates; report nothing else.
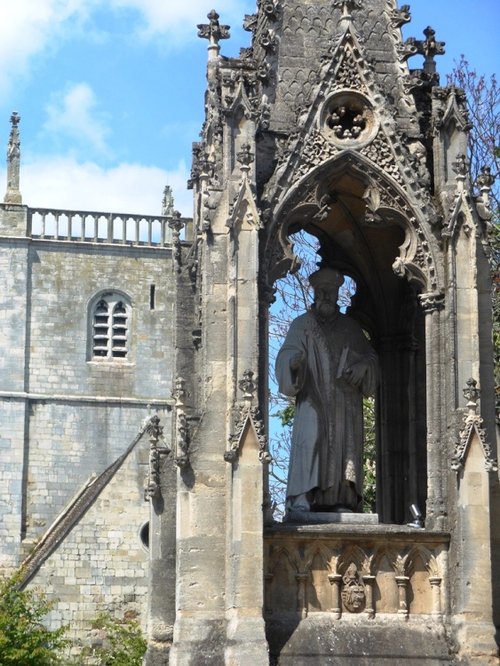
(167, 204)
(13, 195)
(214, 32)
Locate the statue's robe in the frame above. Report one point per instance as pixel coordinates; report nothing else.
(326, 458)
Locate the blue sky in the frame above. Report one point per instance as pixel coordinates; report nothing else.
(111, 91)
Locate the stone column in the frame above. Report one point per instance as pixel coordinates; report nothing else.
(302, 579)
(335, 581)
(433, 304)
(369, 581)
(435, 582)
(402, 582)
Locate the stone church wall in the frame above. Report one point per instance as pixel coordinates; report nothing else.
(102, 564)
(65, 417)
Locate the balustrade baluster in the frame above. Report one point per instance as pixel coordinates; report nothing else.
(138, 235)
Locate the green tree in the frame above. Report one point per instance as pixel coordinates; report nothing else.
(24, 640)
(123, 642)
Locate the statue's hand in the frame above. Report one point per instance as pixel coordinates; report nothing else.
(297, 361)
(354, 374)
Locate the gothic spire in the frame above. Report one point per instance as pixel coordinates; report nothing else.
(13, 194)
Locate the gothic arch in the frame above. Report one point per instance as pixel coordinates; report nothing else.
(369, 229)
(308, 204)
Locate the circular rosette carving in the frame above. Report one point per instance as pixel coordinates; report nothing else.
(348, 119)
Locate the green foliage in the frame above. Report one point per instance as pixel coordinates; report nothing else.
(286, 415)
(123, 642)
(369, 456)
(24, 641)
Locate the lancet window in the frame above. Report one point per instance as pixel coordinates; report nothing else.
(110, 327)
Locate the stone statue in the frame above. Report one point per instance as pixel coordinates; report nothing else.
(327, 364)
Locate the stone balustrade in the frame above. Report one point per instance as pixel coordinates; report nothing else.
(99, 227)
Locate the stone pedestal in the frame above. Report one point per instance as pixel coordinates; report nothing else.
(334, 589)
(325, 518)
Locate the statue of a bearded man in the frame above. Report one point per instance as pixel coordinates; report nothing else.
(327, 365)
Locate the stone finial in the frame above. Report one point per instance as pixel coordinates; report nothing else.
(485, 182)
(167, 204)
(485, 178)
(214, 32)
(247, 385)
(347, 6)
(461, 167)
(471, 394)
(430, 48)
(245, 157)
(13, 194)
(179, 392)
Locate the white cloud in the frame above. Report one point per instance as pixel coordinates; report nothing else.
(74, 114)
(63, 182)
(28, 27)
(31, 27)
(174, 15)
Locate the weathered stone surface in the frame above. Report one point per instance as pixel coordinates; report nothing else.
(320, 126)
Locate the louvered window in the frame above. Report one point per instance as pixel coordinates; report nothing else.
(110, 328)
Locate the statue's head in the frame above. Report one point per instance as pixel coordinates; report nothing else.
(326, 283)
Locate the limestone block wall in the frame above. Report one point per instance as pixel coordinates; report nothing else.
(102, 564)
(63, 415)
(11, 481)
(13, 313)
(69, 443)
(65, 277)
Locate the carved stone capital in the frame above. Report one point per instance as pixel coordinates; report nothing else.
(432, 302)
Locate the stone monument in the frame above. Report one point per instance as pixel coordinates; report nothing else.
(322, 126)
(327, 364)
